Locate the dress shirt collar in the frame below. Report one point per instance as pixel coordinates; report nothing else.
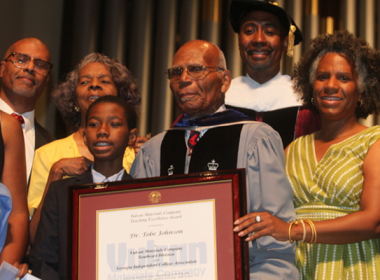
(220, 117)
(221, 108)
(28, 116)
(100, 178)
(203, 131)
(29, 120)
(269, 81)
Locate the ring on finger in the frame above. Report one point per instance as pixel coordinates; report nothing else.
(258, 219)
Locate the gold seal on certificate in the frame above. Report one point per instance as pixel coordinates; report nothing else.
(155, 197)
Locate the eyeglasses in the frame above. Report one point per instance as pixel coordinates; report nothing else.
(21, 60)
(195, 71)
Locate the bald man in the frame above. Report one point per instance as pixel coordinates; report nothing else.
(25, 72)
(209, 137)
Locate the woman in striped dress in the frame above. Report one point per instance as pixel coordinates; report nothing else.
(335, 172)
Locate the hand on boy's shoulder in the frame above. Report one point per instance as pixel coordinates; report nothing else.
(67, 167)
(140, 141)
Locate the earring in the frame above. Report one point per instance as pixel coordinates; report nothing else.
(76, 108)
(359, 104)
(312, 100)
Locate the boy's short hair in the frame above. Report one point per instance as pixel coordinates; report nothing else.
(129, 111)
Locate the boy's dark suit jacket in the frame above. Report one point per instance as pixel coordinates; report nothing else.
(49, 250)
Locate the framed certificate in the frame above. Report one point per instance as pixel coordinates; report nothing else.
(159, 228)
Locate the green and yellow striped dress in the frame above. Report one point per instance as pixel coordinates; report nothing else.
(329, 189)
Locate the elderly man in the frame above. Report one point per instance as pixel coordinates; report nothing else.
(208, 133)
(265, 33)
(25, 72)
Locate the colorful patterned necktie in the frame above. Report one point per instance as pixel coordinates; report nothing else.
(18, 117)
(193, 139)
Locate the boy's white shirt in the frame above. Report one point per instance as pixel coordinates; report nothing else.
(100, 178)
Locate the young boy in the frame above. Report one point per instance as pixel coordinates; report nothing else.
(110, 124)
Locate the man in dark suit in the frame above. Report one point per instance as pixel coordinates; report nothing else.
(25, 72)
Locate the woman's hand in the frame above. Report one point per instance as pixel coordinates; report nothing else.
(63, 167)
(268, 226)
(69, 167)
(140, 141)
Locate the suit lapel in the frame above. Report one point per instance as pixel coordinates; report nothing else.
(42, 135)
(84, 178)
(126, 176)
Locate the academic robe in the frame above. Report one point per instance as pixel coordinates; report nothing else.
(260, 152)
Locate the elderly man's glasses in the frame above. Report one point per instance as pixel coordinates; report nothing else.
(195, 71)
(21, 60)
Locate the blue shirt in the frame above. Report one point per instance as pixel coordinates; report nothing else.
(5, 210)
(100, 178)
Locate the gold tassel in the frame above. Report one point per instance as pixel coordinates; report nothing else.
(291, 37)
